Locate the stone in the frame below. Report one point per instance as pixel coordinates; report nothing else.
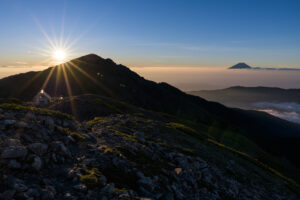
(14, 152)
(108, 189)
(21, 125)
(102, 180)
(49, 123)
(9, 122)
(12, 142)
(14, 164)
(61, 149)
(146, 182)
(30, 116)
(80, 187)
(38, 148)
(177, 170)
(37, 163)
(8, 194)
(168, 196)
(33, 192)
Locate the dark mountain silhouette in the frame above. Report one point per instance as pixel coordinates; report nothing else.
(92, 74)
(239, 96)
(240, 66)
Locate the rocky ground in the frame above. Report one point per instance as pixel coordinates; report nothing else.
(116, 157)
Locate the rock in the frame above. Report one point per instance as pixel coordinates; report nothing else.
(33, 192)
(146, 182)
(177, 170)
(14, 152)
(37, 163)
(102, 180)
(8, 194)
(168, 196)
(49, 123)
(80, 187)
(108, 189)
(15, 184)
(140, 137)
(38, 148)
(21, 125)
(61, 149)
(8, 122)
(14, 164)
(12, 142)
(65, 123)
(30, 116)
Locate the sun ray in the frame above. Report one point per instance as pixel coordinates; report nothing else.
(92, 78)
(69, 90)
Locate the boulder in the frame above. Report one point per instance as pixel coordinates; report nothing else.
(49, 123)
(37, 163)
(14, 152)
(38, 148)
(14, 164)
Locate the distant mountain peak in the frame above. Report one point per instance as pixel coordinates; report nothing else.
(240, 65)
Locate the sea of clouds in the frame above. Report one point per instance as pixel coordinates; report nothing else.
(286, 110)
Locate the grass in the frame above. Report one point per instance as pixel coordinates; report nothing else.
(182, 128)
(144, 163)
(76, 136)
(96, 120)
(109, 149)
(292, 184)
(188, 151)
(90, 177)
(125, 136)
(40, 111)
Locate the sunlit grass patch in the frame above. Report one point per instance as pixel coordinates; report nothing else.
(125, 136)
(90, 177)
(96, 120)
(40, 111)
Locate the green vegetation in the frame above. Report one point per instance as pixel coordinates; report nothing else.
(76, 136)
(109, 149)
(90, 177)
(125, 136)
(96, 120)
(292, 183)
(115, 106)
(40, 111)
(144, 162)
(183, 128)
(188, 151)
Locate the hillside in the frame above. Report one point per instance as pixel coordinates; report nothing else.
(97, 87)
(46, 154)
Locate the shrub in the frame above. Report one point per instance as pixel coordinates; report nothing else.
(90, 178)
(76, 136)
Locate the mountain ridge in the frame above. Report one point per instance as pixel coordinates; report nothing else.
(92, 74)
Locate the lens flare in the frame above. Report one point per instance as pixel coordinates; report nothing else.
(59, 55)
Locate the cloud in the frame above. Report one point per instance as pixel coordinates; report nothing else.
(286, 110)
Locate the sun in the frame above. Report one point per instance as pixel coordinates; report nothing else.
(59, 55)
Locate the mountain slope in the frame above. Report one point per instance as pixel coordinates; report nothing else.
(246, 95)
(47, 155)
(92, 74)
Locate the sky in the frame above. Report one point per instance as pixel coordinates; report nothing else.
(151, 33)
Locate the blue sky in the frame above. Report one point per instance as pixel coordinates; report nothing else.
(154, 33)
